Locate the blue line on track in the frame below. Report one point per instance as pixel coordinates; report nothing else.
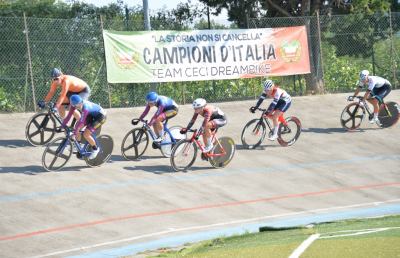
(381, 210)
(187, 178)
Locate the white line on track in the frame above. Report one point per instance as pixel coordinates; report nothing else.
(301, 248)
(212, 225)
(357, 232)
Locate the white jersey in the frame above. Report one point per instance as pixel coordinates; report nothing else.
(281, 94)
(374, 82)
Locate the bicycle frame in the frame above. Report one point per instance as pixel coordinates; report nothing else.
(153, 136)
(195, 138)
(266, 118)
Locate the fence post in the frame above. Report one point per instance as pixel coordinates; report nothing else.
(30, 61)
(392, 60)
(320, 50)
(108, 85)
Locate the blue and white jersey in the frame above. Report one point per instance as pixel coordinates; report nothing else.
(374, 82)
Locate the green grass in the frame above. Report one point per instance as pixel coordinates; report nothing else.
(281, 243)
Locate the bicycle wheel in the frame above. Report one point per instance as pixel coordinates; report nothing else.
(40, 129)
(183, 155)
(352, 116)
(289, 133)
(134, 143)
(388, 114)
(253, 133)
(106, 145)
(56, 154)
(227, 145)
(166, 144)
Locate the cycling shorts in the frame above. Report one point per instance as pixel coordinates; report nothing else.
(85, 93)
(170, 112)
(381, 92)
(282, 105)
(94, 122)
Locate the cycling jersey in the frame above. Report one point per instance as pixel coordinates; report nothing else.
(69, 83)
(92, 115)
(210, 113)
(280, 96)
(163, 104)
(374, 82)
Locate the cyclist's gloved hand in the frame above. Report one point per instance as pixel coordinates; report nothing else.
(41, 104)
(183, 131)
(253, 109)
(135, 121)
(350, 98)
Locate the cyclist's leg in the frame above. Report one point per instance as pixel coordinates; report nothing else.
(167, 114)
(377, 96)
(93, 124)
(213, 124)
(280, 108)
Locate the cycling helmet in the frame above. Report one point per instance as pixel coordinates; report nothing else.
(268, 84)
(75, 100)
(151, 97)
(55, 72)
(199, 103)
(363, 75)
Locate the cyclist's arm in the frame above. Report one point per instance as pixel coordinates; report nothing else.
(81, 121)
(261, 99)
(145, 112)
(273, 103)
(63, 94)
(191, 123)
(50, 94)
(68, 117)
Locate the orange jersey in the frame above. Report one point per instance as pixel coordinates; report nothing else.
(68, 83)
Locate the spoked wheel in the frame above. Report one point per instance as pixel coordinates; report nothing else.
(106, 145)
(134, 144)
(389, 114)
(253, 133)
(166, 144)
(352, 116)
(289, 133)
(40, 129)
(183, 155)
(226, 145)
(56, 154)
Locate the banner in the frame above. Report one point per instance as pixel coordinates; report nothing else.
(166, 56)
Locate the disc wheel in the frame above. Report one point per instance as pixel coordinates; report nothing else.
(183, 155)
(134, 144)
(106, 145)
(352, 116)
(57, 154)
(226, 145)
(388, 114)
(253, 133)
(40, 129)
(167, 145)
(289, 133)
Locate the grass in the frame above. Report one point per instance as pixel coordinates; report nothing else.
(349, 238)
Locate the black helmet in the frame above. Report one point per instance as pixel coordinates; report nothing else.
(55, 72)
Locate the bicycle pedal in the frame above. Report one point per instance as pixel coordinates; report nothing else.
(79, 155)
(204, 156)
(155, 145)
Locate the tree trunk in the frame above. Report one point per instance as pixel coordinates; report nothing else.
(314, 80)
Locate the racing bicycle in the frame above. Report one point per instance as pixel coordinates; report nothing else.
(185, 151)
(59, 151)
(137, 140)
(354, 113)
(255, 130)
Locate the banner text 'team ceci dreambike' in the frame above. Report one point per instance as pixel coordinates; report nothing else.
(166, 56)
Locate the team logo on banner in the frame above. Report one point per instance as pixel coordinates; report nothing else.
(291, 51)
(125, 57)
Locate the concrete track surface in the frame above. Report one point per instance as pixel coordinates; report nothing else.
(80, 210)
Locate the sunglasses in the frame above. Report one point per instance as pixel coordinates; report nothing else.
(56, 78)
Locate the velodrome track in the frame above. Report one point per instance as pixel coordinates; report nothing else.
(82, 211)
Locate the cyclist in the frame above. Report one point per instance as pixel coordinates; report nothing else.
(93, 116)
(280, 104)
(378, 88)
(166, 109)
(69, 85)
(213, 119)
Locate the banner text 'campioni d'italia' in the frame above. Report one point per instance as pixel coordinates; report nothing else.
(163, 56)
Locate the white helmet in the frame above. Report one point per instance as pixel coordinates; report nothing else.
(268, 84)
(363, 75)
(199, 103)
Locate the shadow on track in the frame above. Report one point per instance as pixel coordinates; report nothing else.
(34, 170)
(334, 130)
(14, 143)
